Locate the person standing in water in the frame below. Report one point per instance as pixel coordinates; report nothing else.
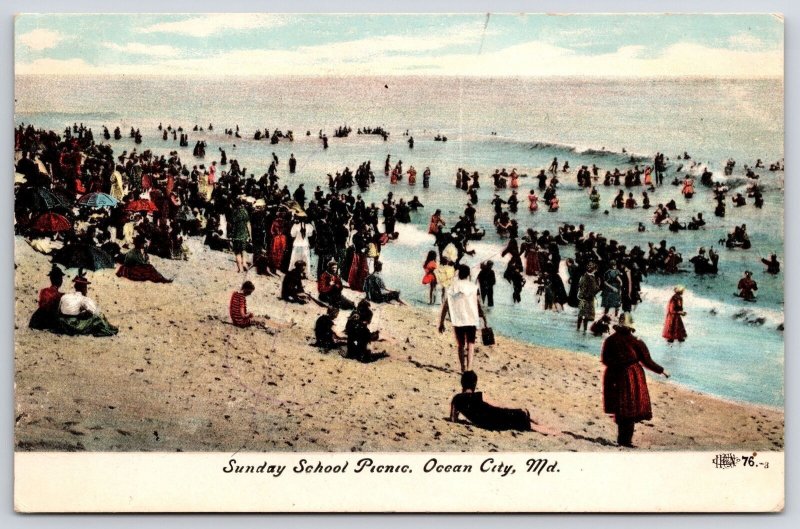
(588, 287)
(673, 324)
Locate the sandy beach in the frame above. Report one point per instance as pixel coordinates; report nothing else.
(178, 377)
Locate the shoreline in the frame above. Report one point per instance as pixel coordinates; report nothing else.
(144, 390)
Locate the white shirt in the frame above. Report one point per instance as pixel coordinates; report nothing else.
(462, 302)
(72, 304)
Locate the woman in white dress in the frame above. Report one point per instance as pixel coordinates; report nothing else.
(300, 247)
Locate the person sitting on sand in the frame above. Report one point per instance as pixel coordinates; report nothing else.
(46, 316)
(463, 305)
(326, 337)
(359, 336)
(238, 307)
(375, 288)
(136, 264)
(292, 285)
(480, 413)
(80, 315)
(330, 288)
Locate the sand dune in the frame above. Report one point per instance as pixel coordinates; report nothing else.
(178, 378)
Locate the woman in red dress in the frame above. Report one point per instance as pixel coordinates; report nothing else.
(278, 233)
(531, 251)
(625, 393)
(673, 325)
(359, 270)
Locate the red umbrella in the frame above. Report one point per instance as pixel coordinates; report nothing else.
(141, 205)
(51, 223)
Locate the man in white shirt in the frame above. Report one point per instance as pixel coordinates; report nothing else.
(80, 315)
(462, 302)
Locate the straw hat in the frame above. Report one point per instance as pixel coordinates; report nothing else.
(679, 289)
(626, 321)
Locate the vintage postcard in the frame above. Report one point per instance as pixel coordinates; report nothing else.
(463, 263)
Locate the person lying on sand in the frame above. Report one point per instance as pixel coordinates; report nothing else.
(480, 413)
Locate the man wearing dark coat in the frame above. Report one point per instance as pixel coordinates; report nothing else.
(625, 394)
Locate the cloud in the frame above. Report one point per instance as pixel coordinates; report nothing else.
(55, 67)
(137, 48)
(40, 39)
(207, 25)
(399, 55)
(745, 41)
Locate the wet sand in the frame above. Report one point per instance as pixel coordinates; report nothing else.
(179, 378)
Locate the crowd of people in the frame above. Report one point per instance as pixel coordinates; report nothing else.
(119, 209)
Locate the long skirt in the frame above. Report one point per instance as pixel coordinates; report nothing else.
(532, 266)
(96, 325)
(586, 309)
(359, 270)
(278, 249)
(673, 328)
(43, 320)
(145, 272)
(625, 393)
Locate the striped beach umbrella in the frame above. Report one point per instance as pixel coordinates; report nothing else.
(97, 200)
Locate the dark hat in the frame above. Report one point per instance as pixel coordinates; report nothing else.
(55, 272)
(81, 280)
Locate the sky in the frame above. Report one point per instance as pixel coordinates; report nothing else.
(496, 45)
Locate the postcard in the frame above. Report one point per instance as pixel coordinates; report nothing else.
(399, 263)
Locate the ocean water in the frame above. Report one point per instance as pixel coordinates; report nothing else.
(734, 349)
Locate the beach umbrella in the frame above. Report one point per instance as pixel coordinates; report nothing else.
(81, 255)
(42, 199)
(51, 223)
(97, 200)
(141, 205)
(295, 208)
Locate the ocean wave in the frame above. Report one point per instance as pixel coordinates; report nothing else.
(755, 316)
(579, 150)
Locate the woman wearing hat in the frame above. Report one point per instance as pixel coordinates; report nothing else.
(673, 324)
(136, 264)
(80, 315)
(46, 316)
(625, 393)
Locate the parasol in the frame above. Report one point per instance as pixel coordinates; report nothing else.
(81, 255)
(97, 200)
(51, 223)
(141, 205)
